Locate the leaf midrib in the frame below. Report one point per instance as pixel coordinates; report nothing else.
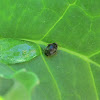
(83, 57)
(54, 80)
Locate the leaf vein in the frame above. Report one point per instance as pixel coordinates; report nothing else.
(51, 74)
(58, 20)
(93, 82)
(94, 54)
(85, 58)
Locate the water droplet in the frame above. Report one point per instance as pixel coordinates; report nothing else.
(16, 51)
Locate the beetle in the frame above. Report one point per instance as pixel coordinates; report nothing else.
(51, 49)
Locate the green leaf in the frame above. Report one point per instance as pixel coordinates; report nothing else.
(28, 79)
(5, 85)
(15, 51)
(17, 85)
(25, 83)
(74, 72)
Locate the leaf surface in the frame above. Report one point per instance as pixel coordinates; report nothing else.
(73, 73)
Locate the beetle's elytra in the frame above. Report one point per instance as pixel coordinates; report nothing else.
(51, 49)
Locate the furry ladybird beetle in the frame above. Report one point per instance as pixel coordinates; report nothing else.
(51, 49)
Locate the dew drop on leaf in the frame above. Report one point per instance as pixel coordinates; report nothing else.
(16, 51)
